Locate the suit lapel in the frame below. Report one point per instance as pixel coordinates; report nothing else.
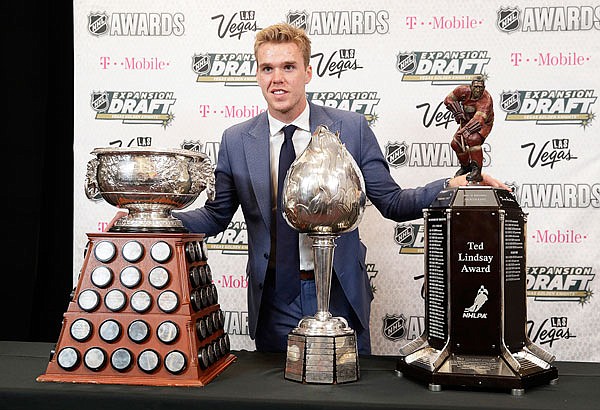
(318, 116)
(256, 150)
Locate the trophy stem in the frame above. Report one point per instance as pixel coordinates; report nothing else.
(323, 248)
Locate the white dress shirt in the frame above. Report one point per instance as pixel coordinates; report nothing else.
(301, 138)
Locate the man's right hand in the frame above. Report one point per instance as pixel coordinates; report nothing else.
(120, 214)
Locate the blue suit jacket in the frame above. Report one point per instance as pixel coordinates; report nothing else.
(243, 179)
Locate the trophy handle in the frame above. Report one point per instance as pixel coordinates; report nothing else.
(203, 175)
(92, 189)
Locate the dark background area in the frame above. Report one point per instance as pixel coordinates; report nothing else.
(37, 192)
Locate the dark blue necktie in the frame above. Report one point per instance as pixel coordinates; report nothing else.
(287, 267)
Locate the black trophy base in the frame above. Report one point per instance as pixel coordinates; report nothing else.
(322, 359)
(479, 372)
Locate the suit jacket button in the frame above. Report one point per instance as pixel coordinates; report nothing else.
(260, 286)
(266, 255)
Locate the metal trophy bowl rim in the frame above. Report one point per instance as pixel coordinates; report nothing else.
(148, 150)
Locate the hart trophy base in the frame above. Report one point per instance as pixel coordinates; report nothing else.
(322, 359)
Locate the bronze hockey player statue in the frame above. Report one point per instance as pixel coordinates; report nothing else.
(473, 109)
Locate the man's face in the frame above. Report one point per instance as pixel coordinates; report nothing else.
(477, 90)
(282, 78)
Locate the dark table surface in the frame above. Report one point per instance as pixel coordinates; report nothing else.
(255, 380)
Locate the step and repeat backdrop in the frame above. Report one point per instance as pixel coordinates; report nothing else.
(176, 73)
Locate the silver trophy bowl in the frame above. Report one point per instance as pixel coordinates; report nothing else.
(149, 183)
(324, 196)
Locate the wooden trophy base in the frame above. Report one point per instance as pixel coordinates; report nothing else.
(144, 312)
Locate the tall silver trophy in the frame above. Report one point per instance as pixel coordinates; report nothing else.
(324, 197)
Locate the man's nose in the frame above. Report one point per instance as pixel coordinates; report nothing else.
(278, 75)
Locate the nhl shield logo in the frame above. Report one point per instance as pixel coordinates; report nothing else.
(508, 19)
(298, 19)
(403, 234)
(510, 102)
(406, 62)
(195, 146)
(395, 153)
(394, 327)
(99, 101)
(98, 24)
(201, 64)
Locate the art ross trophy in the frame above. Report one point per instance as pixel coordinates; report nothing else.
(145, 310)
(324, 196)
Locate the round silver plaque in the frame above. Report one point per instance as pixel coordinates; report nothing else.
(141, 301)
(94, 359)
(115, 299)
(210, 328)
(210, 349)
(195, 278)
(121, 359)
(159, 277)
(133, 251)
(215, 294)
(131, 276)
(138, 331)
(102, 276)
(68, 358)
(160, 251)
(216, 318)
(208, 272)
(227, 342)
(204, 297)
(167, 332)
(81, 330)
(203, 358)
(168, 301)
(148, 361)
(198, 249)
(175, 362)
(201, 330)
(204, 248)
(104, 251)
(88, 300)
(190, 252)
(217, 349)
(110, 330)
(195, 300)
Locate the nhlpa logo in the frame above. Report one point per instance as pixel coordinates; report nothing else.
(508, 19)
(298, 19)
(480, 299)
(98, 24)
(395, 154)
(406, 62)
(201, 64)
(394, 326)
(510, 102)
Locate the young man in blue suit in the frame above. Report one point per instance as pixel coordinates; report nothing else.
(246, 176)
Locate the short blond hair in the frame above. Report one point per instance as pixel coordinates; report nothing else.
(284, 33)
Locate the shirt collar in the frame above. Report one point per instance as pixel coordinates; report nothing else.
(302, 122)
